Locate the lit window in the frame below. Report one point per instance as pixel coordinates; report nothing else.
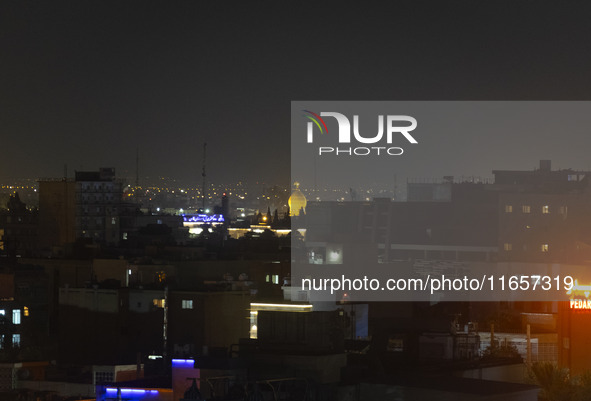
(2, 312)
(113, 221)
(124, 236)
(526, 209)
(395, 344)
(545, 209)
(26, 311)
(187, 304)
(16, 340)
(268, 279)
(16, 316)
(544, 247)
(508, 209)
(159, 303)
(275, 278)
(507, 247)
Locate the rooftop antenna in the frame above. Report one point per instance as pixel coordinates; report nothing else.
(137, 167)
(203, 175)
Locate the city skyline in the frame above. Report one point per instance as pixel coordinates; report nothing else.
(295, 200)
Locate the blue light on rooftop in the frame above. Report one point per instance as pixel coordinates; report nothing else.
(131, 391)
(183, 363)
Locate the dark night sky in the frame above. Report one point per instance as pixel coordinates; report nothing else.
(84, 83)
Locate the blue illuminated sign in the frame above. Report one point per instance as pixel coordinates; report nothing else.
(131, 391)
(183, 363)
(203, 218)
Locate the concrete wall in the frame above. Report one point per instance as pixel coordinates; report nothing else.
(384, 392)
(90, 299)
(515, 373)
(62, 388)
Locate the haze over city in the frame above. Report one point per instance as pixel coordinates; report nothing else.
(87, 84)
(171, 230)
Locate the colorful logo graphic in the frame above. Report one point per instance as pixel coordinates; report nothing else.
(389, 127)
(316, 119)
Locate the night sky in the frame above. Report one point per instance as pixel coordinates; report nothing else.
(85, 83)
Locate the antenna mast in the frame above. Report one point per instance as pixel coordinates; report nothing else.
(137, 167)
(203, 175)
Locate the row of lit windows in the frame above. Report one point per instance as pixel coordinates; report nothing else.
(185, 303)
(527, 209)
(16, 340)
(509, 247)
(16, 314)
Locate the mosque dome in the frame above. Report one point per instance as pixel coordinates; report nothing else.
(297, 201)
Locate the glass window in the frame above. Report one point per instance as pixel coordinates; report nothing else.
(103, 377)
(544, 248)
(16, 316)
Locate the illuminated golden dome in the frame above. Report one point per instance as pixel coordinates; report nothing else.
(297, 201)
